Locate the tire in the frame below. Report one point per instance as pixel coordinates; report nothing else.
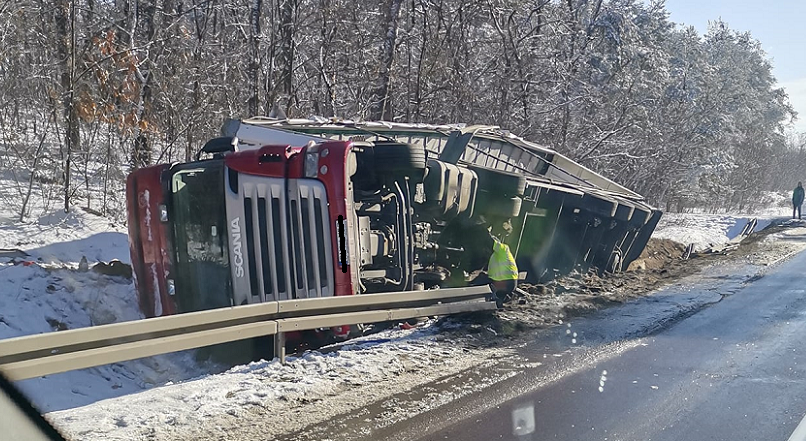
(500, 182)
(397, 157)
(503, 206)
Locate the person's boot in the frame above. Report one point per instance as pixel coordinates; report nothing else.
(499, 300)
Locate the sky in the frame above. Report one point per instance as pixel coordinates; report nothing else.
(780, 26)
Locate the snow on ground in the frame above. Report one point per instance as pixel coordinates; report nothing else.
(63, 238)
(44, 292)
(391, 361)
(37, 299)
(52, 236)
(707, 230)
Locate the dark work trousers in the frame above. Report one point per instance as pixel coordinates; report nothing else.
(795, 208)
(503, 288)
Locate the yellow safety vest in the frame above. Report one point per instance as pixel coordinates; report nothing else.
(502, 264)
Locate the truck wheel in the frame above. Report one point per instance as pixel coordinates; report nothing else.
(500, 182)
(493, 204)
(397, 157)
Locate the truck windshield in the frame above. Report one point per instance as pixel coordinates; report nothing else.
(199, 223)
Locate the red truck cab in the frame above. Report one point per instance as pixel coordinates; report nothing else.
(249, 226)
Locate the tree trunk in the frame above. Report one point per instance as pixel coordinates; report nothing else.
(37, 156)
(325, 84)
(381, 104)
(66, 42)
(254, 55)
(287, 27)
(141, 154)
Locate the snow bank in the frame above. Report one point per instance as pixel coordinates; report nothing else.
(705, 230)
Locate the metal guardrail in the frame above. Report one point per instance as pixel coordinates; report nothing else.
(45, 354)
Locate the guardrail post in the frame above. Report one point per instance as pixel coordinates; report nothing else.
(279, 346)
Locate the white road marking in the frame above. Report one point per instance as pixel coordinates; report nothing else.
(800, 432)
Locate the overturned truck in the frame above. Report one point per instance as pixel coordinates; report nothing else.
(279, 210)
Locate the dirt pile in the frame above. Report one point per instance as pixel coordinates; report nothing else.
(661, 264)
(578, 293)
(657, 254)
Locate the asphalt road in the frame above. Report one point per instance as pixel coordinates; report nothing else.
(735, 370)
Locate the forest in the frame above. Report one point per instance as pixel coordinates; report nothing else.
(91, 89)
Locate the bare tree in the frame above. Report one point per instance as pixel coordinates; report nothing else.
(381, 104)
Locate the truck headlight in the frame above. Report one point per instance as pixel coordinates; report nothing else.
(311, 161)
(311, 165)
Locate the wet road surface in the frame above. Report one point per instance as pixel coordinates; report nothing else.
(735, 370)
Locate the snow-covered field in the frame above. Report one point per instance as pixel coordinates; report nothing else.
(707, 230)
(61, 239)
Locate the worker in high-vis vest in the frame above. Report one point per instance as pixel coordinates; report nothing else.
(502, 271)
